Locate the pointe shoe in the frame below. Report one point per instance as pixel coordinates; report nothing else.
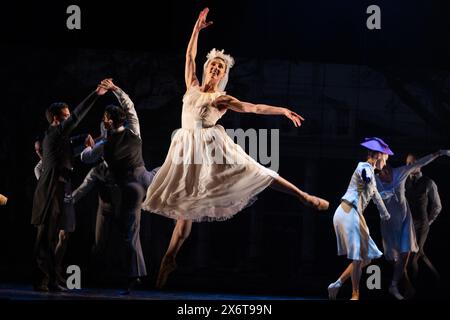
(168, 265)
(394, 291)
(333, 290)
(316, 202)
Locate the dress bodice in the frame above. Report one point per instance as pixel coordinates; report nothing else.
(198, 110)
(359, 193)
(363, 188)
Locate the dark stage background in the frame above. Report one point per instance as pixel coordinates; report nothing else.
(316, 57)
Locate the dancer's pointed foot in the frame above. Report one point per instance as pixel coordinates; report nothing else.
(355, 296)
(168, 265)
(393, 289)
(315, 202)
(333, 289)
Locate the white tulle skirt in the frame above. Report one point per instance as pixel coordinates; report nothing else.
(206, 176)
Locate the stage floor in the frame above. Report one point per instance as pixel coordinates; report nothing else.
(24, 292)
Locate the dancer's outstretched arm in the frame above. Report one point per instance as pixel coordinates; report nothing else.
(81, 110)
(191, 52)
(229, 102)
(429, 158)
(405, 171)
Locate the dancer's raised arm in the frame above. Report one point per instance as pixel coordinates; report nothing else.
(126, 104)
(81, 110)
(191, 52)
(405, 171)
(229, 102)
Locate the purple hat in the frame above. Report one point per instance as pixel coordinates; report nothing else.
(376, 144)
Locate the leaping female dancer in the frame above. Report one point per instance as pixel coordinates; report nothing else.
(352, 234)
(206, 176)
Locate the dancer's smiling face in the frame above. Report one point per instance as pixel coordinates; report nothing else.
(382, 161)
(215, 70)
(386, 171)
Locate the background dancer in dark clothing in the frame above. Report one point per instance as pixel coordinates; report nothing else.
(122, 151)
(68, 227)
(425, 204)
(48, 202)
(100, 179)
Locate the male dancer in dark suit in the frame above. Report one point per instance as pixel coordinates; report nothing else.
(122, 151)
(48, 202)
(425, 204)
(68, 225)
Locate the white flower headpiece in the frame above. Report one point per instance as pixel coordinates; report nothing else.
(214, 53)
(229, 61)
